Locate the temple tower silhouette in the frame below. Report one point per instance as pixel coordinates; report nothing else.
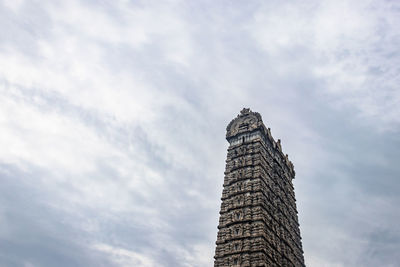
(258, 223)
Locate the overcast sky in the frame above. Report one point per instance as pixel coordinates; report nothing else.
(113, 117)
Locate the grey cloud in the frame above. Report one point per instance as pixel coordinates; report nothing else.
(155, 111)
(34, 232)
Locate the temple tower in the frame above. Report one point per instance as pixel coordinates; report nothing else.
(258, 223)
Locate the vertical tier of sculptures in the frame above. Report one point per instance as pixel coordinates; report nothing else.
(258, 223)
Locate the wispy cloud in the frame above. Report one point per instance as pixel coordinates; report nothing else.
(113, 115)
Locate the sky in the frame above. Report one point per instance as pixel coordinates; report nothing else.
(113, 117)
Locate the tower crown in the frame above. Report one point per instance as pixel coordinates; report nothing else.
(246, 121)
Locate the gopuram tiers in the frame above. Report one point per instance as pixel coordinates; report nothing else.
(258, 223)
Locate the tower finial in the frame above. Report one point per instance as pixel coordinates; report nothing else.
(245, 111)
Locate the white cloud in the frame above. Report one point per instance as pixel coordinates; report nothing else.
(14, 5)
(122, 107)
(124, 257)
(346, 44)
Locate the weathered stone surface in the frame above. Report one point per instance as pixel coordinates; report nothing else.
(258, 223)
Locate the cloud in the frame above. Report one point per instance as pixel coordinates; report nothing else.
(113, 117)
(348, 45)
(125, 257)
